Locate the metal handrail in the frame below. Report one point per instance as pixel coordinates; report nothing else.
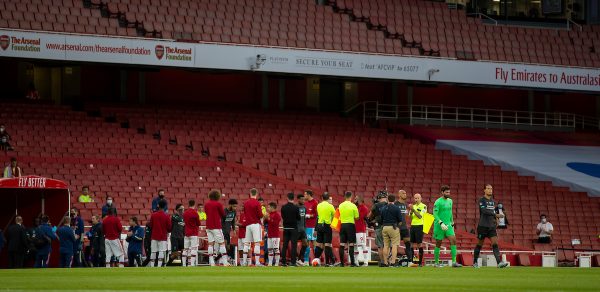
(485, 16)
(445, 114)
(575, 23)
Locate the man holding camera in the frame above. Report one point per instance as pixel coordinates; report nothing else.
(375, 222)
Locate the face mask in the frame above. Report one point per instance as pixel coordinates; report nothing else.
(1, 130)
(161, 196)
(544, 220)
(499, 206)
(109, 202)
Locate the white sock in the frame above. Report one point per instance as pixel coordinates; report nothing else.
(277, 257)
(223, 252)
(245, 254)
(211, 255)
(161, 258)
(270, 259)
(257, 253)
(184, 258)
(358, 254)
(108, 265)
(194, 256)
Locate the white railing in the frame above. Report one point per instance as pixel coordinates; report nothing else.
(569, 21)
(481, 15)
(441, 115)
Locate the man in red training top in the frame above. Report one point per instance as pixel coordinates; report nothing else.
(361, 252)
(214, 230)
(160, 224)
(253, 213)
(190, 241)
(273, 219)
(311, 221)
(112, 228)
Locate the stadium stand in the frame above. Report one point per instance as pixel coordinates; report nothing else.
(335, 155)
(130, 152)
(414, 28)
(85, 150)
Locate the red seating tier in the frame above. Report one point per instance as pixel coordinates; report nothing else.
(304, 24)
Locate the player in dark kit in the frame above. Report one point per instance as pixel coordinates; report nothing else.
(302, 230)
(228, 224)
(404, 231)
(487, 227)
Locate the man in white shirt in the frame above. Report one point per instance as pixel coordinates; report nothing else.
(544, 230)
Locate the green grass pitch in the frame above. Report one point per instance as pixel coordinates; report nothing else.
(304, 279)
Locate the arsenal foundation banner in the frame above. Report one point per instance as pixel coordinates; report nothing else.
(95, 49)
(135, 51)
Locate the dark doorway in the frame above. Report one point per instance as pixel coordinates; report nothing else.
(331, 95)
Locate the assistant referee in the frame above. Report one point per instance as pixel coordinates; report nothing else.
(417, 211)
(348, 214)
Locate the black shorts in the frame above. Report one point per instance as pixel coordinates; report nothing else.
(348, 233)
(227, 237)
(324, 233)
(486, 232)
(404, 233)
(176, 244)
(416, 234)
(302, 235)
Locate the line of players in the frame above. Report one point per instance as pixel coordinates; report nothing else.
(301, 222)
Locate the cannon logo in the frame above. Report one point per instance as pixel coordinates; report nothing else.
(4, 42)
(22, 44)
(159, 51)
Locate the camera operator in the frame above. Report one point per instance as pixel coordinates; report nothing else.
(375, 222)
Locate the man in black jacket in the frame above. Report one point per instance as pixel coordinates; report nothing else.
(96, 238)
(290, 215)
(16, 236)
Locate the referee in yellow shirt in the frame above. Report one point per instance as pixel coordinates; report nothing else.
(348, 213)
(325, 212)
(417, 211)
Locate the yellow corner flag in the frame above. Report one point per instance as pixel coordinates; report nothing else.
(427, 222)
(336, 224)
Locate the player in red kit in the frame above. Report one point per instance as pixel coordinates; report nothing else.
(311, 221)
(361, 252)
(112, 228)
(241, 233)
(160, 224)
(190, 241)
(214, 230)
(273, 219)
(253, 213)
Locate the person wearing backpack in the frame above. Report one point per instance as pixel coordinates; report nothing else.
(375, 222)
(43, 242)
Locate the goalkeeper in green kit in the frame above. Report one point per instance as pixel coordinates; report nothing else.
(443, 226)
